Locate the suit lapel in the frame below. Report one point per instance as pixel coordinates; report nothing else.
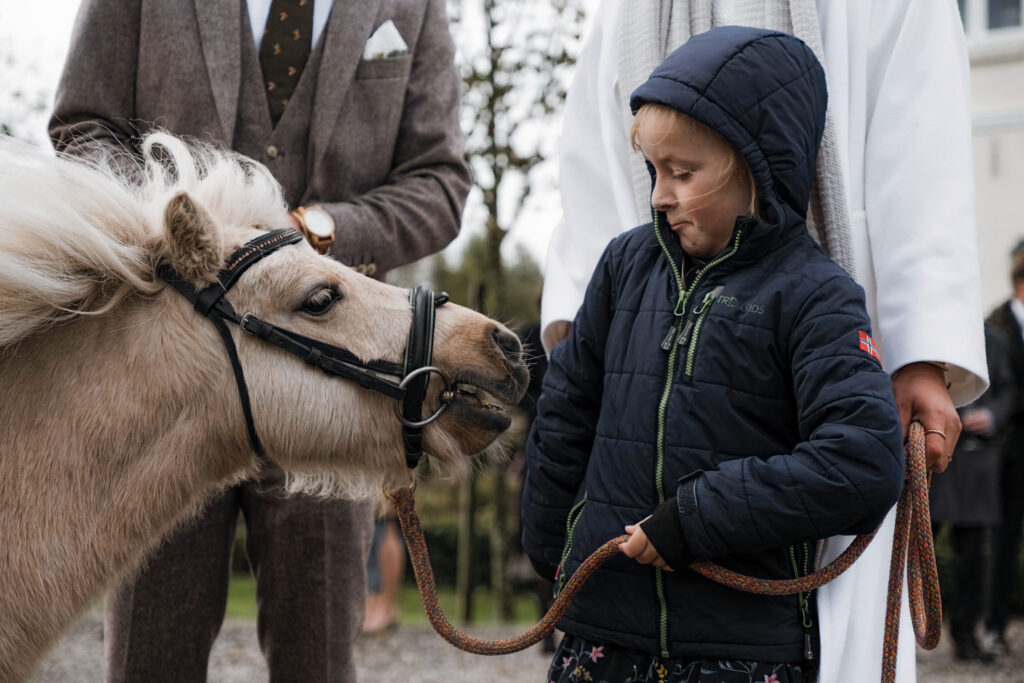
(348, 29)
(220, 32)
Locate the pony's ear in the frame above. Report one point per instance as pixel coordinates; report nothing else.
(193, 242)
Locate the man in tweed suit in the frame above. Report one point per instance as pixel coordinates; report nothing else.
(361, 127)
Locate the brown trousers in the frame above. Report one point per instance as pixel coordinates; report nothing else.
(309, 559)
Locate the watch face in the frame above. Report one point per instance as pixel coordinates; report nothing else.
(319, 222)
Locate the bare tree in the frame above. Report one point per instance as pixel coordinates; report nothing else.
(516, 58)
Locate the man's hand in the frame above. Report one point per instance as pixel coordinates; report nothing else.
(979, 421)
(921, 396)
(554, 334)
(639, 547)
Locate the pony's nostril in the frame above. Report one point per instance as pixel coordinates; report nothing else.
(508, 343)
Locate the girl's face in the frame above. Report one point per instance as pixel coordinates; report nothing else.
(694, 187)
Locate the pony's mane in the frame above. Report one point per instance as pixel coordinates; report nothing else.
(79, 235)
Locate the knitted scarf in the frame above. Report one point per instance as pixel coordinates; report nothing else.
(649, 30)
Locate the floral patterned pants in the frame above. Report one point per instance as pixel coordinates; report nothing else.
(582, 660)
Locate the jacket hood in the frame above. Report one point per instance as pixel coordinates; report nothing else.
(764, 92)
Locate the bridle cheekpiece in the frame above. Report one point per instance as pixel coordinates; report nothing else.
(411, 377)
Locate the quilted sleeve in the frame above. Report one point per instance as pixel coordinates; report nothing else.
(559, 445)
(846, 472)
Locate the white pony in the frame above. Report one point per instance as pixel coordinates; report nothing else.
(119, 412)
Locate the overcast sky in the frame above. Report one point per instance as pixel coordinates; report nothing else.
(34, 36)
(33, 41)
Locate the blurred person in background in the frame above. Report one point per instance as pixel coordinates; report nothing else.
(1009, 319)
(384, 573)
(967, 496)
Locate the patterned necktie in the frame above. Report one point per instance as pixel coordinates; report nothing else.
(287, 41)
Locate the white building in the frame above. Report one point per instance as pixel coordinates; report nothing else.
(995, 38)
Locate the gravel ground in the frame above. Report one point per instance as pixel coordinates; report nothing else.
(411, 654)
(414, 654)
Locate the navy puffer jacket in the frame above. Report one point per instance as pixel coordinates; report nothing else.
(750, 397)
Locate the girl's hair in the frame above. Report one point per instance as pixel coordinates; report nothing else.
(666, 118)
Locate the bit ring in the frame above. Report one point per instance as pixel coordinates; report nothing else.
(426, 369)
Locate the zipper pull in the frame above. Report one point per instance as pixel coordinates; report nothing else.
(709, 298)
(666, 343)
(679, 311)
(808, 650)
(685, 336)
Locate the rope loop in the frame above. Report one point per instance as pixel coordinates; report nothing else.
(913, 541)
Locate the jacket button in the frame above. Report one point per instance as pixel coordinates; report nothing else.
(272, 151)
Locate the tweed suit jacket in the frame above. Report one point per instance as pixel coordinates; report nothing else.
(384, 152)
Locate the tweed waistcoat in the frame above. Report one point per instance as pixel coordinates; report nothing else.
(282, 148)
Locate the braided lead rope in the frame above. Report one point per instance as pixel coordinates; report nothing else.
(413, 533)
(925, 601)
(914, 548)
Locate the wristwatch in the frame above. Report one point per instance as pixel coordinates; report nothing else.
(316, 225)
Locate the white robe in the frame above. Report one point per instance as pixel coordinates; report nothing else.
(899, 93)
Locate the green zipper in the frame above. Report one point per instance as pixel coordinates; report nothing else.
(575, 513)
(804, 599)
(679, 311)
(671, 263)
(673, 340)
(700, 312)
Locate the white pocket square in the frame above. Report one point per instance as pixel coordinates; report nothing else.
(385, 42)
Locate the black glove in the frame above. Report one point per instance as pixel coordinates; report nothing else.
(665, 533)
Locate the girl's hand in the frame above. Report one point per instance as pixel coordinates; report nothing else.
(640, 548)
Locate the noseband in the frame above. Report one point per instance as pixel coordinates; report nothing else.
(411, 376)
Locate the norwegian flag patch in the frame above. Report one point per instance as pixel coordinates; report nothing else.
(867, 345)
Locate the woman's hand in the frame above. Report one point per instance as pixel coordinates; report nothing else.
(639, 547)
(922, 396)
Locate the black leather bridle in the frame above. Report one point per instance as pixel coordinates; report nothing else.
(412, 376)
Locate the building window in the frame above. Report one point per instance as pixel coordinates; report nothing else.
(1001, 13)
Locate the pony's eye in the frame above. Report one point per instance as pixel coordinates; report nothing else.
(321, 301)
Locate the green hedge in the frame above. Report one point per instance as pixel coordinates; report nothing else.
(442, 543)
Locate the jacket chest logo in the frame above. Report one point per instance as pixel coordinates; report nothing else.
(733, 302)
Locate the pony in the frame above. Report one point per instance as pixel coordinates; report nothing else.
(119, 411)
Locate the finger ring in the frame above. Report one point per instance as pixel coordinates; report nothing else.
(936, 431)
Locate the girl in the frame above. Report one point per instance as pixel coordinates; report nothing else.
(720, 383)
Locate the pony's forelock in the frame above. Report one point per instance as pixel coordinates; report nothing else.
(78, 236)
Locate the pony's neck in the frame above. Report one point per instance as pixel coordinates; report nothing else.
(110, 420)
